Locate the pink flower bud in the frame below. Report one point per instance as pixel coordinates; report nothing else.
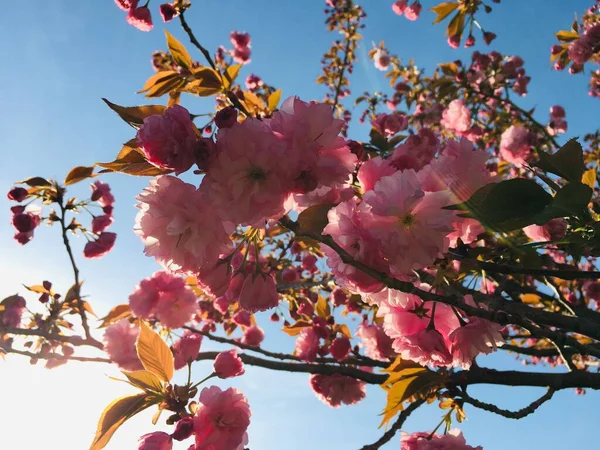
(253, 82)
(183, 429)
(289, 275)
(242, 318)
(101, 194)
(274, 317)
(413, 11)
(306, 308)
(557, 112)
(168, 12)
(228, 364)
(14, 306)
(185, 350)
(339, 348)
(126, 5)
(101, 246)
(339, 297)
(159, 440)
(140, 18)
(101, 223)
(17, 194)
(470, 42)
(226, 117)
(253, 336)
(239, 39)
(488, 37)
(454, 41)
(309, 263)
(258, 293)
(399, 7)
(241, 55)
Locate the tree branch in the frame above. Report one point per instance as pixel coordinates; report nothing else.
(74, 340)
(54, 356)
(519, 414)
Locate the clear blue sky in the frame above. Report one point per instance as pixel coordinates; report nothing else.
(61, 56)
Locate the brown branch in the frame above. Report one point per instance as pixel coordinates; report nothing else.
(284, 356)
(519, 414)
(566, 274)
(323, 369)
(54, 356)
(340, 81)
(389, 434)
(500, 310)
(73, 340)
(77, 285)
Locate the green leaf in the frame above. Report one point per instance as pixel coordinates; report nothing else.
(154, 353)
(313, 219)
(178, 51)
(79, 173)
(443, 10)
(378, 140)
(507, 205)
(570, 200)
(135, 115)
(144, 380)
(567, 162)
(115, 414)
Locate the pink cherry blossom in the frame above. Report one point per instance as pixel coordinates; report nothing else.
(101, 193)
(376, 343)
(178, 226)
(168, 12)
(168, 139)
(465, 229)
(186, 348)
(228, 364)
(476, 337)
(221, 420)
(381, 59)
(215, 280)
(409, 224)
(580, 50)
(453, 440)
(253, 336)
(399, 6)
(348, 227)
(456, 118)
(241, 55)
(239, 39)
(119, 344)
(390, 124)
(126, 5)
(183, 429)
(340, 348)
(17, 194)
(258, 293)
(307, 344)
(314, 148)
(158, 440)
(140, 18)
(514, 145)
(101, 246)
(413, 10)
(245, 182)
(242, 318)
(461, 169)
(426, 347)
(333, 390)
(101, 223)
(554, 230)
(14, 307)
(372, 171)
(253, 82)
(417, 151)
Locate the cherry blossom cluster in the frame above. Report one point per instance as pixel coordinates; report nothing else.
(140, 17)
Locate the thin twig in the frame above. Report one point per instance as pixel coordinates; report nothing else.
(519, 414)
(54, 356)
(73, 340)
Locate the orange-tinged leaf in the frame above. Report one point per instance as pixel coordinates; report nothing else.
(158, 77)
(322, 308)
(35, 182)
(253, 103)
(343, 329)
(144, 380)
(530, 299)
(174, 98)
(273, 100)
(115, 414)
(38, 289)
(566, 35)
(199, 88)
(79, 173)
(295, 329)
(456, 25)
(589, 177)
(135, 115)
(443, 10)
(231, 74)
(178, 51)
(313, 219)
(154, 353)
(132, 163)
(164, 84)
(114, 315)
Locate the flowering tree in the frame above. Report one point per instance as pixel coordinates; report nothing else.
(461, 227)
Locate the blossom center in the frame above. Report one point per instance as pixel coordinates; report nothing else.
(257, 174)
(407, 221)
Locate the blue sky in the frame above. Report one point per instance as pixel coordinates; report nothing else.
(61, 57)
